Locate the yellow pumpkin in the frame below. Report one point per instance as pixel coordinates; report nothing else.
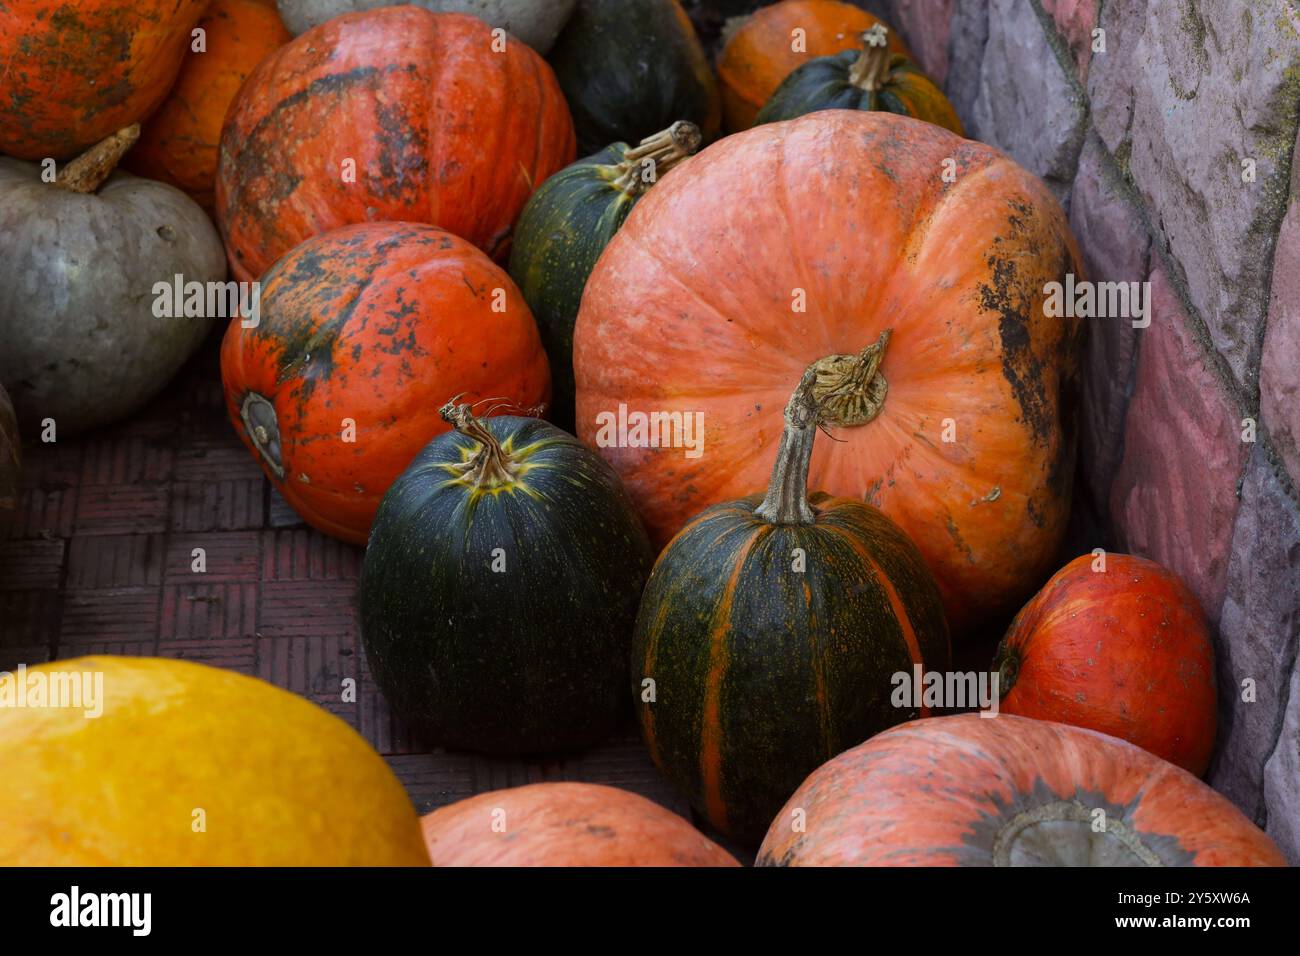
(170, 763)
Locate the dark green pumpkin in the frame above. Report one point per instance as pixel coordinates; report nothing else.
(500, 587)
(631, 67)
(566, 226)
(872, 78)
(772, 628)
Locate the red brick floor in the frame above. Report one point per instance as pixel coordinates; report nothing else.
(99, 561)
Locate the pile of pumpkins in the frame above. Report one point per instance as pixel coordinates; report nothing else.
(481, 359)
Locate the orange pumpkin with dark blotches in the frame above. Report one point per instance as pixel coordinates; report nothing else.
(392, 114)
(1120, 647)
(1008, 791)
(799, 244)
(178, 144)
(73, 73)
(363, 334)
(565, 824)
(760, 53)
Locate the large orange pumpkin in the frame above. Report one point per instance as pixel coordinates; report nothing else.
(179, 143)
(1008, 791)
(565, 824)
(391, 114)
(802, 242)
(72, 73)
(1119, 647)
(762, 51)
(363, 334)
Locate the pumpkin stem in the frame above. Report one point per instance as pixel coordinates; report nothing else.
(870, 69)
(787, 492)
(850, 389)
(263, 430)
(87, 172)
(490, 466)
(664, 150)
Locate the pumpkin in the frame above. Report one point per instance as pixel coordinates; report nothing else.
(86, 263)
(872, 78)
(770, 634)
(75, 73)
(565, 227)
(11, 456)
(536, 22)
(760, 50)
(500, 586)
(1119, 647)
(965, 791)
(565, 824)
(800, 242)
(363, 333)
(178, 144)
(163, 745)
(632, 67)
(397, 114)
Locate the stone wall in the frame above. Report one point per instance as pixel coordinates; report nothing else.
(1167, 130)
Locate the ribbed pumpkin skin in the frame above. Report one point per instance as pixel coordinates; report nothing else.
(442, 130)
(692, 307)
(565, 824)
(823, 84)
(178, 144)
(763, 672)
(529, 660)
(966, 790)
(76, 72)
(631, 67)
(379, 323)
(758, 56)
(1124, 651)
(11, 456)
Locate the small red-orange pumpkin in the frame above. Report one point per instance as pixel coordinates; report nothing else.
(178, 144)
(73, 73)
(565, 824)
(392, 114)
(363, 334)
(1008, 791)
(1121, 648)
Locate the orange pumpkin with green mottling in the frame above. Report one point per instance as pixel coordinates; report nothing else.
(393, 114)
(761, 52)
(178, 144)
(76, 71)
(1008, 791)
(364, 333)
(801, 242)
(1117, 644)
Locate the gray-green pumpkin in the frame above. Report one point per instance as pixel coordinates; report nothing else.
(80, 340)
(535, 22)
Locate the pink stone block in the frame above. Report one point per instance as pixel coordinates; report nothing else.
(1075, 20)
(1174, 498)
(926, 25)
(1279, 375)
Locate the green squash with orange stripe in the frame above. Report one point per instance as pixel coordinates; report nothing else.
(770, 633)
(872, 78)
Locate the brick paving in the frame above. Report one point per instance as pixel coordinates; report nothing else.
(99, 561)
